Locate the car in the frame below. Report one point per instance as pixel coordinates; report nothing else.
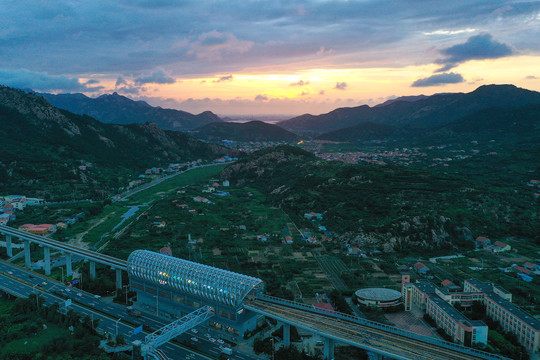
(220, 341)
(208, 335)
(39, 285)
(10, 272)
(79, 294)
(195, 331)
(97, 297)
(212, 339)
(67, 290)
(194, 339)
(31, 276)
(44, 283)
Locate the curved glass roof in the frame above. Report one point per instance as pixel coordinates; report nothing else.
(204, 281)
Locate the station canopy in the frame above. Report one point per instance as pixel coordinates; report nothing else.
(203, 281)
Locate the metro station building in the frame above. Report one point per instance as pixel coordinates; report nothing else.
(176, 287)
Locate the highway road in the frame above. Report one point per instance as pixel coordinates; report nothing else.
(125, 195)
(24, 282)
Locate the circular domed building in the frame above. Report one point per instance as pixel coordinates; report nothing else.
(384, 299)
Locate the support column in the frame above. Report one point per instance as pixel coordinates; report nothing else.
(69, 269)
(47, 260)
(136, 354)
(286, 335)
(92, 270)
(27, 259)
(8, 246)
(119, 278)
(328, 349)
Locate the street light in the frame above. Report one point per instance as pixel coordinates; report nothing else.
(116, 324)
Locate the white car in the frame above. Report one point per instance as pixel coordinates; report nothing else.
(79, 294)
(194, 339)
(195, 331)
(212, 339)
(220, 341)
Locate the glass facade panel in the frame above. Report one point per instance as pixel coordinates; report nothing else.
(203, 281)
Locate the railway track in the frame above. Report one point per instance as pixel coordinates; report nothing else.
(366, 336)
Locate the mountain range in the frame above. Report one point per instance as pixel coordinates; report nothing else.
(118, 109)
(42, 147)
(249, 131)
(416, 113)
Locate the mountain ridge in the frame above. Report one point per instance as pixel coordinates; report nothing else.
(42, 147)
(429, 113)
(118, 109)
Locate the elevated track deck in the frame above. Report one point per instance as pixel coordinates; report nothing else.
(374, 337)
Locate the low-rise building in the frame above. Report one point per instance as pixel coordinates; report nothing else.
(496, 300)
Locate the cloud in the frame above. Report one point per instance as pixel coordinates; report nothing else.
(321, 92)
(439, 79)
(449, 32)
(477, 47)
(299, 83)
(304, 93)
(341, 86)
(157, 77)
(120, 81)
(214, 45)
(129, 89)
(261, 97)
(224, 78)
(531, 77)
(40, 81)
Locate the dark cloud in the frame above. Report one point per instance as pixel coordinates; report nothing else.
(299, 83)
(120, 81)
(224, 78)
(40, 81)
(477, 47)
(261, 97)
(129, 89)
(157, 77)
(341, 86)
(439, 79)
(304, 93)
(82, 38)
(531, 77)
(321, 92)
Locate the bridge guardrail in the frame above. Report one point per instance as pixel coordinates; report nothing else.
(384, 327)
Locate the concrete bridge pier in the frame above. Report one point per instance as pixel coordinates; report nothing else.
(27, 259)
(92, 270)
(118, 278)
(328, 349)
(286, 334)
(69, 269)
(47, 260)
(8, 246)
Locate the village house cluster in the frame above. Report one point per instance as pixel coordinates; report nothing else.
(403, 156)
(10, 204)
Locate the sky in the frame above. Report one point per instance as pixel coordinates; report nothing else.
(268, 57)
